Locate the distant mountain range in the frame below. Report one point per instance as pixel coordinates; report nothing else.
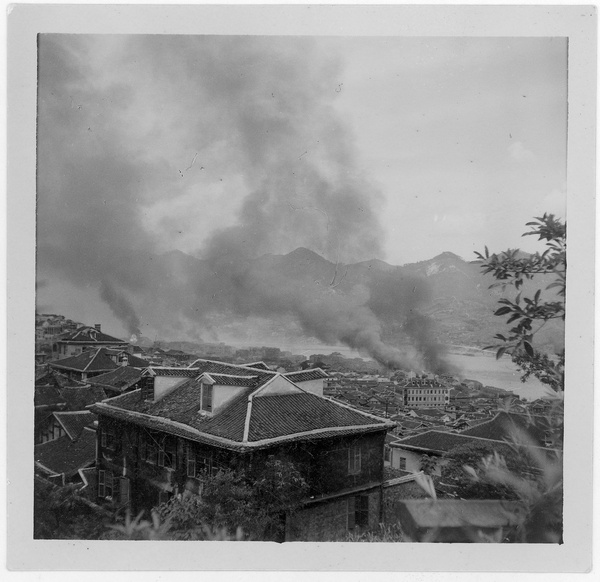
(454, 294)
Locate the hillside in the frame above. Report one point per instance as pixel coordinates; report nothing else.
(451, 291)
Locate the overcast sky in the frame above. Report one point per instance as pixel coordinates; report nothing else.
(400, 148)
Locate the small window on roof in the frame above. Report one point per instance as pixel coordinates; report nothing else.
(206, 397)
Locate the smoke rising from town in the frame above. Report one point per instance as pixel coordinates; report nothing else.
(258, 162)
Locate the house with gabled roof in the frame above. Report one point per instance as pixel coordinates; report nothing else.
(85, 365)
(60, 460)
(182, 424)
(539, 430)
(73, 422)
(407, 452)
(84, 338)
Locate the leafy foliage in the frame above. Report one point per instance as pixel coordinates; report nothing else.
(465, 467)
(427, 464)
(231, 502)
(529, 314)
(61, 513)
(159, 529)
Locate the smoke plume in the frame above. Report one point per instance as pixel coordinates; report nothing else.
(229, 148)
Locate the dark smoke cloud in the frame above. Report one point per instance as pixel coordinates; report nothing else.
(120, 306)
(138, 135)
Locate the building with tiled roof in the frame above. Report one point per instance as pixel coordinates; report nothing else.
(62, 458)
(73, 423)
(407, 452)
(83, 338)
(86, 365)
(538, 429)
(81, 397)
(181, 428)
(422, 393)
(124, 358)
(47, 399)
(117, 381)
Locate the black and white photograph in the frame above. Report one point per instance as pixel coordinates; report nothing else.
(301, 288)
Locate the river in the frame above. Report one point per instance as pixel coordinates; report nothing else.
(484, 368)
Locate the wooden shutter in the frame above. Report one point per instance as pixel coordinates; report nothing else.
(124, 490)
(351, 512)
(362, 510)
(101, 481)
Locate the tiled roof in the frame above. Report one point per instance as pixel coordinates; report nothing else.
(286, 414)
(56, 379)
(81, 397)
(258, 365)
(95, 360)
(177, 372)
(440, 442)
(48, 396)
(135, 362)
(63, 455)
(120, 378)
(306, 375)
(230, 380)
(283, 416)
(90, 335)
(503, 425)
(424, 384)
(212, 366)
(75, 422)
(410, 424)
(434, 412)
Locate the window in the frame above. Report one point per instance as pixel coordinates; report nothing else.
(105, 483)
(150, 449)
(206, 399)
(354, 460)
(387, 454)
(191, 460)
(107, 439)
(166, 453)
(357, 511)
(146, 385)
(101, 481)
(362, 510)
(205, 463)
(124, 490)
(351, 512)
(402, 462)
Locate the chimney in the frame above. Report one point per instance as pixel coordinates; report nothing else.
(98, 327)
(124, 360)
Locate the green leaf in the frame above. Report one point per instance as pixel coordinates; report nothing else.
(500, 353)
(503, 311)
